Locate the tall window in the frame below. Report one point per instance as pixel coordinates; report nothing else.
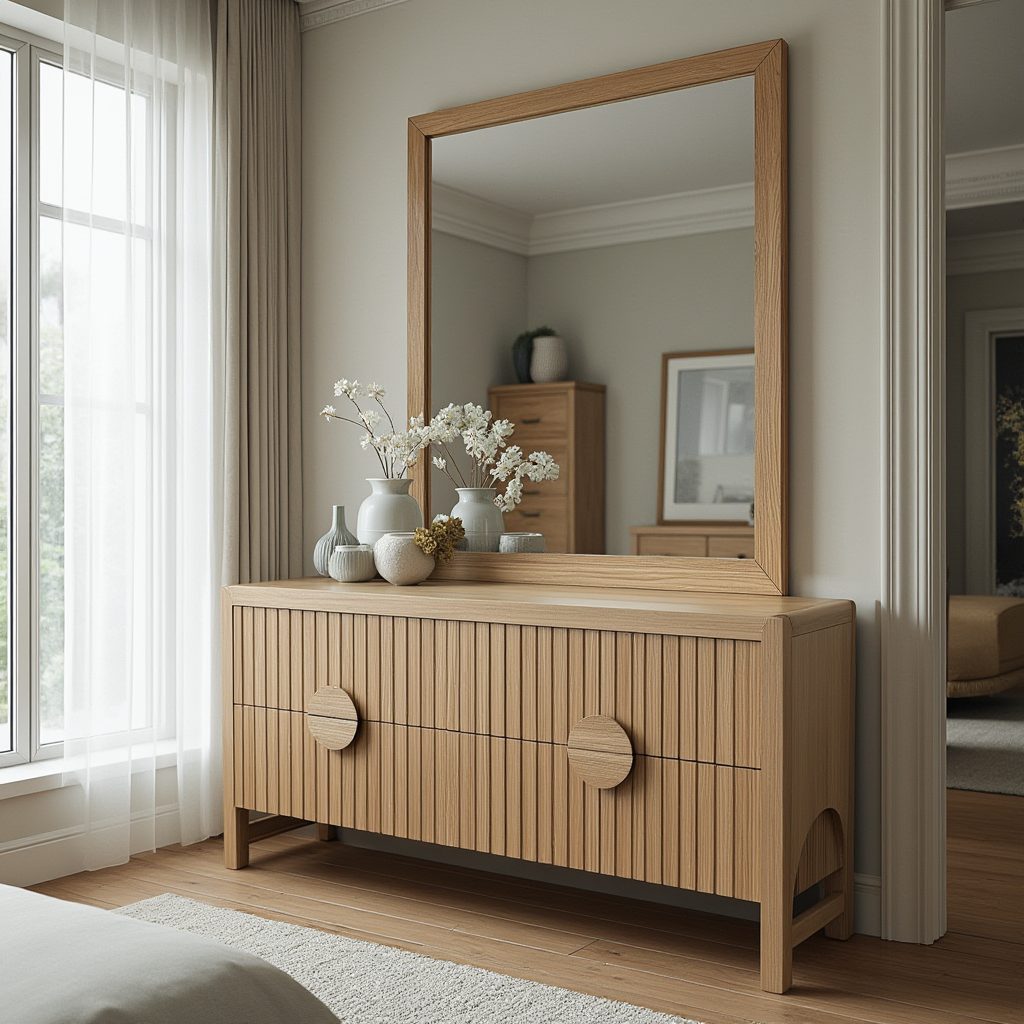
(55, 227)
(31, 405)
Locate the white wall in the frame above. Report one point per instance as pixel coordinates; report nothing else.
(966, 293)
(478, 305)
(364, 77)
(619, 308)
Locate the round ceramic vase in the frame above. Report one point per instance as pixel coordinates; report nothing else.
(339, 533)
(352, 563)
(389, 508)
(400, 561)
(550, 359)
(481, 518)
(521, 543)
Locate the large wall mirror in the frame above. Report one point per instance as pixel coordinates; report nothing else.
(639, 213)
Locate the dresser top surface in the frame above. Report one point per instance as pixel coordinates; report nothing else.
(646, 611)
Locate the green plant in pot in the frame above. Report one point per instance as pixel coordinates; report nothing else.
(522, 351)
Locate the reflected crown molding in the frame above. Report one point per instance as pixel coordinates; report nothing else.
(315, 13)
(982, 254)
(985, 177)
(591, 227)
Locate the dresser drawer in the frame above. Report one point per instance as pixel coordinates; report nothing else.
(694, 698)
(670, 822)
(541, 513)
(536, 416)
(730, 547)
(678, 545)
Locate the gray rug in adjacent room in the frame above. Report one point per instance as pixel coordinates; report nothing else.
(985, 743)
(364, 983)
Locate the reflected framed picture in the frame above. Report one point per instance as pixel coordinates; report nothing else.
(707, 437)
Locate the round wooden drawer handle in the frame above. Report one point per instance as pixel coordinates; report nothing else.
(332, 718)
(600, 752)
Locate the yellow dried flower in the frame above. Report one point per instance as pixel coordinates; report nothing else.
(440, 537)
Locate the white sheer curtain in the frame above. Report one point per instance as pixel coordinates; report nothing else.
(144, 410)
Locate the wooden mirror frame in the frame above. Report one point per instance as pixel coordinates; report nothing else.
(767, 571)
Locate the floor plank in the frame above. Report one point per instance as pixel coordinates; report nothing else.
(691, 964)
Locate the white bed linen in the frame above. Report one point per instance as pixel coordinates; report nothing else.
(65, 963)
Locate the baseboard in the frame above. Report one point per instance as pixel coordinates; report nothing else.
(867, 904)
(47, 855)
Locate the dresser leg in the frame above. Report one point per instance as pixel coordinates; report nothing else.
(236, 837)
(326, 833)
(776, 945)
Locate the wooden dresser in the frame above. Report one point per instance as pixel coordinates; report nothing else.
(499, 718)
(565, 419)
(697, 540)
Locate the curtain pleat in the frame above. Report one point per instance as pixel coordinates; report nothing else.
(142, 426)
(258, 215)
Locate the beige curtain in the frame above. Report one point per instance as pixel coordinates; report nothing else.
(257, 224)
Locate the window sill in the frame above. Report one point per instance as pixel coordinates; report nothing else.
(39, 776)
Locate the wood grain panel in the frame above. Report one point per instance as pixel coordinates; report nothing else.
(724, 831)
(707, 827)
(706, 733)
(528, 684)
(725, 660)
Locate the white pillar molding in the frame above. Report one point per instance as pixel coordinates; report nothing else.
(913, 610)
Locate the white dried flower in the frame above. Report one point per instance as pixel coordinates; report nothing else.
(375, 391)
(328, 412)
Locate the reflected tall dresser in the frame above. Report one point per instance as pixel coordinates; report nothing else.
(565, 419)
(698, 741)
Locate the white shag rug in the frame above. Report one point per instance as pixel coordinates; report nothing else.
(365, 983)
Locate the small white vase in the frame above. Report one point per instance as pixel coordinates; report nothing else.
(521, 543)
(389, 508)
(550, 359)
(401, 561)
(481, 518)
(352, 563)
(339, 533)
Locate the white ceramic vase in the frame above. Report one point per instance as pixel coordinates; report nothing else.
(550, 359)
(352, 563)
(389, 508)
(339, 533)
(521, 543)
(481, 518)
(401, 561)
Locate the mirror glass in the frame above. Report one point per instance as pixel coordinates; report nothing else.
(629, 229)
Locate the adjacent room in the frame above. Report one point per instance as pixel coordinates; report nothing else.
(512, 512)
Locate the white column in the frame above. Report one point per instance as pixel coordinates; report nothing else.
(914, 571)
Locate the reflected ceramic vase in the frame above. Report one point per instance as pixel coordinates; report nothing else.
(549, 360)
(339, 533)
(481, 518)
(401, 561)
(389, 508)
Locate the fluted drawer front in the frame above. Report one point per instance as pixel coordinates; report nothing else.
(671, 822)
(694, 698)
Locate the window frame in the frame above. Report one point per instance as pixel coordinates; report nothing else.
(23, 535)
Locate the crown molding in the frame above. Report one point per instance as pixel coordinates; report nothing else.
(465, 216)
(591, 227)
(982, 254)
(317, 13)
(985, 177)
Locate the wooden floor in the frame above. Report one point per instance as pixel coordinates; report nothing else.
(681, 962)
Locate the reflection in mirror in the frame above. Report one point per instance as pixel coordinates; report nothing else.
(707, 438)
(626, 227)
